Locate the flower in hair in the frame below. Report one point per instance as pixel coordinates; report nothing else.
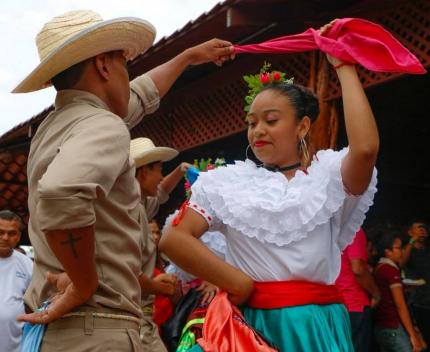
(276, 76)
(265, 78)
(257, 82)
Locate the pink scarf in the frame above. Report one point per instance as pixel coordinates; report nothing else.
(351, 40)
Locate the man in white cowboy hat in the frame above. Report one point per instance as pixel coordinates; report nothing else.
(155, 190)
(85, 213)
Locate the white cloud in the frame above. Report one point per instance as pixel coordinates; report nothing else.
(21, 20)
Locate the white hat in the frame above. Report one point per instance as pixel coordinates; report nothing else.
(79, 35)
(143, 152)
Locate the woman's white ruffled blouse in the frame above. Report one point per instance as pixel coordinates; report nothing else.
(278, 229)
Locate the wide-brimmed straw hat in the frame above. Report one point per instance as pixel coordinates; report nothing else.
(79, 35)
(143, 152)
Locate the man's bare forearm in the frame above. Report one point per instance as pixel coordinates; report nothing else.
(171, 180)
(407, 250)
(214, 50)
(75, 250)
(150, 286)
(166, 74)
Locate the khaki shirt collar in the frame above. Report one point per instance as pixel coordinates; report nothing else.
(69, 96)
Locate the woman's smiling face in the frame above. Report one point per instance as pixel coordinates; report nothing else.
(274, 129)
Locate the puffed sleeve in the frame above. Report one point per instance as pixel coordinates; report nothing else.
(350, 209)
(200, 203)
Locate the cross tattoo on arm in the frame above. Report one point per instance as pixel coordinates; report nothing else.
(72, 241)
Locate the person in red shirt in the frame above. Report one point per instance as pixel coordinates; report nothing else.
(357, 285)
(394, 329)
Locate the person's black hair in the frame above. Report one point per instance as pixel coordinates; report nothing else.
(386, 242)
(11, 216)
(415, 221)
(151, 165)
(304, 100)
(409, 226)
(68, 78)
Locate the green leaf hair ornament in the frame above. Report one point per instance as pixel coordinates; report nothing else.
(257, 82)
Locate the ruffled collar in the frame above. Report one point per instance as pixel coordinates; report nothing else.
(267, 206)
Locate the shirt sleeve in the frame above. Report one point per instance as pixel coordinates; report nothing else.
(352, 209)
(357, 249)
(199, 203)
(392, 276)
(144, 100)
(86, 166)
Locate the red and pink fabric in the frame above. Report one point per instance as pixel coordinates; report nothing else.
(225, 330)
(351, 40)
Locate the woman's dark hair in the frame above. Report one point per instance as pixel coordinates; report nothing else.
(304, 101)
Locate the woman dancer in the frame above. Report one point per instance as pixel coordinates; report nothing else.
(285, 226)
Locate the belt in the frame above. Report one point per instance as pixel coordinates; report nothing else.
(280, 294)
(95, 320)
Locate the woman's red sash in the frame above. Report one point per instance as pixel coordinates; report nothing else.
(280, 294)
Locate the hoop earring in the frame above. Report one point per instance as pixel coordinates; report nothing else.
(304, 150)
(247, 150)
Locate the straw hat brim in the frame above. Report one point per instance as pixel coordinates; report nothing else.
(162, 154)
(133, 35)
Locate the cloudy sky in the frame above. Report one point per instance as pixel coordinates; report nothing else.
(21, 20)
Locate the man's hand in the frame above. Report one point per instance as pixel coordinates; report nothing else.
(416, 343)
(215, 50)
(184, 167)
(171, 180)
(421, 338)
(65, 300)
(375, 301)
(166, 284)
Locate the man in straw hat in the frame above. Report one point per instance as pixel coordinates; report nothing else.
(85, 214)
(155, 190)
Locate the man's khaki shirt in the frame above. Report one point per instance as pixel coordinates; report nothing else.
(150, 206)
(80, 174)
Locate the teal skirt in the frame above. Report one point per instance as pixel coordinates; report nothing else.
(303, 328)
